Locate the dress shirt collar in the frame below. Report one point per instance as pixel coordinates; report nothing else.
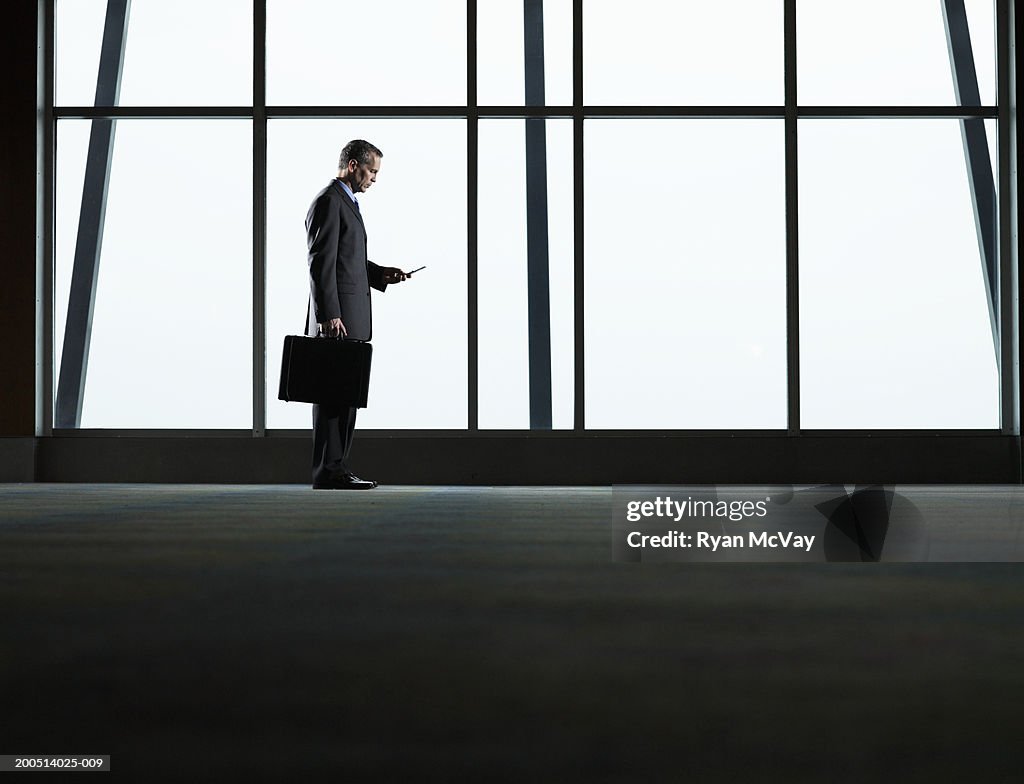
(348, 190)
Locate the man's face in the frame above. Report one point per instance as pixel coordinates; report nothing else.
(364, 174)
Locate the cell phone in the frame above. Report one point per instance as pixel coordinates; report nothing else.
(417, 269)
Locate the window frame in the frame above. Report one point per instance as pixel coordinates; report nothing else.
(259, 114)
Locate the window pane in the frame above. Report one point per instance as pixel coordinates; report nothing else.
(172, 325)
(877, 53)
(685, 274)
(894, 320)
(419, 377)
(390, 52)
(500, 60)
(504, 399)
(185, 53)
(685, 52)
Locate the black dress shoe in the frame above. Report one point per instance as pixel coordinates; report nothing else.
(345, 482)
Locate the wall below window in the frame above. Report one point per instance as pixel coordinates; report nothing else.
(17, 459)
(517, 460)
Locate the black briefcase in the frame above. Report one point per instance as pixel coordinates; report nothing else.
(325, 370)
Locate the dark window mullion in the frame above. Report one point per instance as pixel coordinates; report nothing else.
(46, 162)
(792, 223)
(537, 261)
(579, 344)
(472, 228)
(1009, 309)
(259, 219)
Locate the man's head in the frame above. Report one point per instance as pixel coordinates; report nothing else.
(359, 164)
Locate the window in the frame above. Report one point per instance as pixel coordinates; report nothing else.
(895, 323)
(880, 53)
(419, 327)
(510, 354)
(388, 53)
(685, 276)
(771, 215)
(185, 53)
(685, 52)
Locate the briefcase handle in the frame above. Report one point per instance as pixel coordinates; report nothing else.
(320, 334)
(319, 330)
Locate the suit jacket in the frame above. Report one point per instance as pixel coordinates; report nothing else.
(340, 275)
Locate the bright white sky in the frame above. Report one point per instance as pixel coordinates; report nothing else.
(685, 224)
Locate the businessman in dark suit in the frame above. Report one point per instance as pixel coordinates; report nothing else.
(340, 277)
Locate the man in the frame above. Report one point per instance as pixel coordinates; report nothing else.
(339, 298)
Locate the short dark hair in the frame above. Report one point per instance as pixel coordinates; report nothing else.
(358, 150)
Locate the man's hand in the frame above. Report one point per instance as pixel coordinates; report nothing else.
(393, 275)
(333, 328)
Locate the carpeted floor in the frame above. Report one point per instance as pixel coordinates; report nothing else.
(255, 633)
